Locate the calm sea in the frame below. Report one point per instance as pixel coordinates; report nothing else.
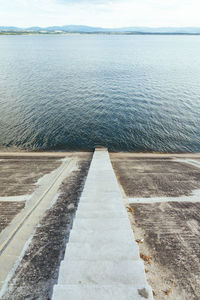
(72, 92)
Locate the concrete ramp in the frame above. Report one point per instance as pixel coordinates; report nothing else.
(102, 258)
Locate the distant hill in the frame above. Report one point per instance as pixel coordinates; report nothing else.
(89, 29)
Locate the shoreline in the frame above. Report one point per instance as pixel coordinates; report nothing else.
(112, 154)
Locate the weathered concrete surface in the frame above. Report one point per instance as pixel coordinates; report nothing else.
(156, 177)
(171, 233)
(38, 270)
(19, 174)
(177, 226)
(8, 211)
(30, 174)
(18, 178)
(168, 233)
(101, 265)
(102, 293)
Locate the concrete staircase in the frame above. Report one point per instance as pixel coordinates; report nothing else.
(102, 258)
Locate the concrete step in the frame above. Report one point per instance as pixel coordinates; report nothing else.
(101, 224)
(107, 236)
(99, 193)
(101, 199)
(113, 251)
(107, 183)
(101, 213)
(100, 206)
(102, 272)
(102, 175)
(102, 292)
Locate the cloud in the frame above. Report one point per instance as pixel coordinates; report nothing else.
(103, 13)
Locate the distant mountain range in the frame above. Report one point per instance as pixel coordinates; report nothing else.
(88, 29)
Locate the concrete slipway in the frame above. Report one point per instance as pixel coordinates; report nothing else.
(101, 259)
(39, 203)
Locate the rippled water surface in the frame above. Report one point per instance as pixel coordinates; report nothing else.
(129, 93)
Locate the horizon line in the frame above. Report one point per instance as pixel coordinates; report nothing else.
(93, 26)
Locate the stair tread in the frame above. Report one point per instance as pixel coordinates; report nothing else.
(102, 292)
(101, 272)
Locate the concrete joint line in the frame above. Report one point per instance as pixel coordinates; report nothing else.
(13, 233)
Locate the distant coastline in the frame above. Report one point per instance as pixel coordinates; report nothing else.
(82, 29)
(92, 33)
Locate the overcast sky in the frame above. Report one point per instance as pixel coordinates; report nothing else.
(103, 13)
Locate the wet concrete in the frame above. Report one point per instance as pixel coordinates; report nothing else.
(156, 177)
(171, 233)
(38, 270)
(18, 175)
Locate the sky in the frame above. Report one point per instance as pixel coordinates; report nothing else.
(100, 13)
